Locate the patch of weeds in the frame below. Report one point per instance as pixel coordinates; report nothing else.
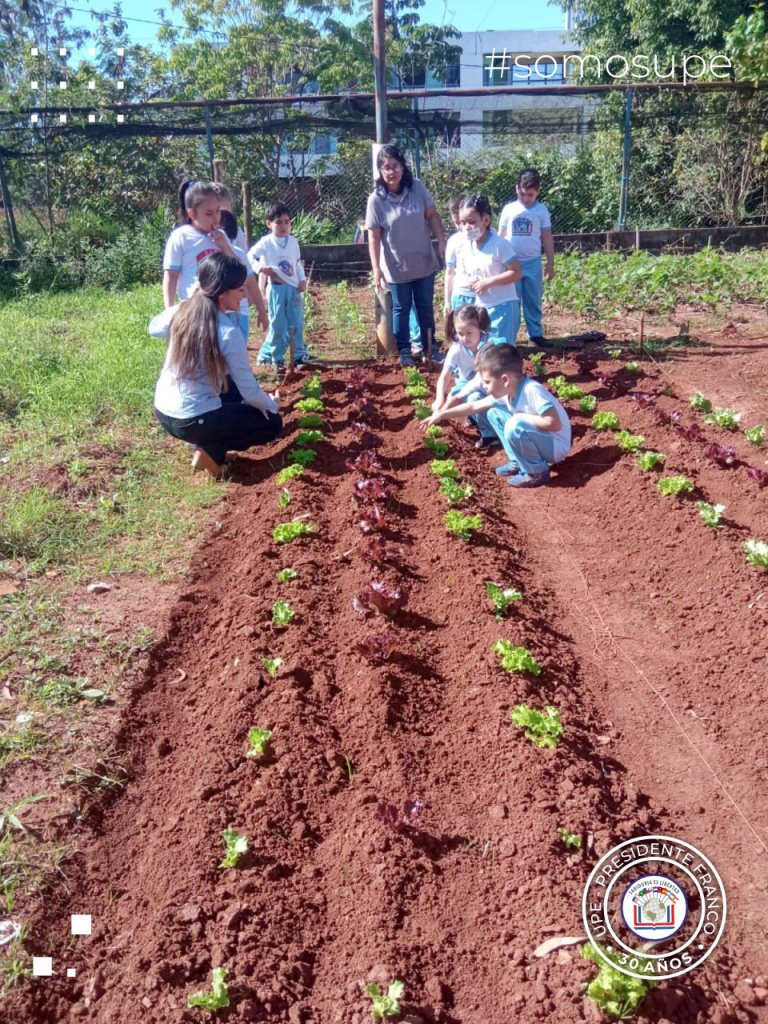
(570, 840)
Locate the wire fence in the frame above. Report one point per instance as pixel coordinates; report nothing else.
(640, 158)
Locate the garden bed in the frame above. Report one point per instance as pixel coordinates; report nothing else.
(649, 628)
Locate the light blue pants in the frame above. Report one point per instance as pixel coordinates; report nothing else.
(286, 310)
(459, 300)
(505, 321)
(531, 289)
(480, 419)
(530, 447)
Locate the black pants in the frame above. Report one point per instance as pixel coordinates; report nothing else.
(236, 426)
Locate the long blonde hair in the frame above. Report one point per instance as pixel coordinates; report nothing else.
(194, 340)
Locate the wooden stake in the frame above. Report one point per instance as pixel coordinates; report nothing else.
(642, 331)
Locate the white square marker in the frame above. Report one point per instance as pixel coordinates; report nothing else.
(91, 51)
(62, 85)
(121, 85)
(34, 51)
(62, 51)
(35, 118)
(62, 118)
(71, 972)
(91, 119)
(42, 966)
(121, 51)
(34, 85)
(92, 83)
(81, 924)
(121, 118)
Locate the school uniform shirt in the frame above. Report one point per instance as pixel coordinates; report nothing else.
(185, 250)
(493, 257)
(406, 236)
(184, 398)
(460, 359)
(282, 255)
(533, 397)
(523, 225)
(460, 283)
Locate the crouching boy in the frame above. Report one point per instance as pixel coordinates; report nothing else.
(529, 421)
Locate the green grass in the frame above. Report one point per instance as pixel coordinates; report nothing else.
(605, 284)
(78, 372)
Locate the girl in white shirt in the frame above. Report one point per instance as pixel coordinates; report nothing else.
(487, 261)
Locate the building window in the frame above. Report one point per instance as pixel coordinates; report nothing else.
(503, 68)
(323, 145)
(446, 78)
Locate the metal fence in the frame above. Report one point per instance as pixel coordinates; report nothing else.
(642, 158)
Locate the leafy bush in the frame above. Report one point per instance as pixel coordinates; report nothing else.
(134, 258)
(675, 485)
(542, 728)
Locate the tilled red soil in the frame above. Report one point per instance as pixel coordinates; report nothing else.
(651, 632)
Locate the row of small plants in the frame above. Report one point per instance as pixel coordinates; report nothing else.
(617, 383)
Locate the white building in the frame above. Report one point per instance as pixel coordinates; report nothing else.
(467, 124)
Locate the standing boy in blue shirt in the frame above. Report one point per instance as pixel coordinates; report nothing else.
(526, 223)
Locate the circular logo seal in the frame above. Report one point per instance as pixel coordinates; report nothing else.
(654, 893)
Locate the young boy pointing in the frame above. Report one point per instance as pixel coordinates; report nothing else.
(531, 424)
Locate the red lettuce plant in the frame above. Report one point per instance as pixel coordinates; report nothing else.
(367, 463)
(669, 419)
(617, 383)
(644, 399)
(693, 432)
(373, 517)
(378, 552)
(379, 596)
(373, 488)
(364, 436)
(358, 384)
(400, 820)
(758, 475)
(722, 454)
(376, 648)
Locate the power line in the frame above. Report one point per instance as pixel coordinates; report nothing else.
(111, 14)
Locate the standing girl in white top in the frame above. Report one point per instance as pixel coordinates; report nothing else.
(189, 244)
(489, 264)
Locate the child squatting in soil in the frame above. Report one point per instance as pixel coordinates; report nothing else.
(529, 421)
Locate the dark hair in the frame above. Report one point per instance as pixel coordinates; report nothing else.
(191, 194)
(478, 202)
(228, 221)
(529, 178)
(194, 340)
(222, 191)
(498, 359)
(275, 210)
(470, 314)
(455, 205)
(391, 153)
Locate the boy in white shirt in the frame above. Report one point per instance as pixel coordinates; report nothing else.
(526, 223)
(277, 256)
(529, 421)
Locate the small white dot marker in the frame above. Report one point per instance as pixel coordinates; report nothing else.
(35, 118)
(91, 51)
(121, 85)
(92, 83)
(62, 85)
(34, 51)
(121, 118)
(34, 85)
(42, 966)
(71, 972)
(81, 924)
(62, 51)
(91, 119)
(62, 118)
(121, 51)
